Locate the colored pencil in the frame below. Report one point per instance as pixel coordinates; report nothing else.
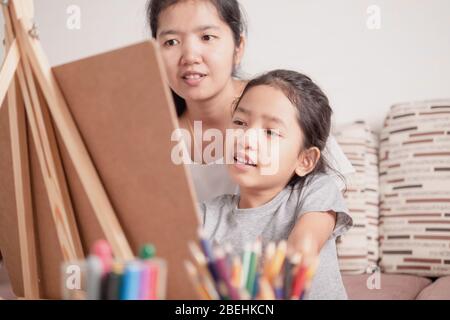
(253, 267)
(205, 275)
(225, 273)
(208, 252)
(246, 265)
(289, 268)
(277, 261)
(193, 275)
(265, 289)
(260, 275)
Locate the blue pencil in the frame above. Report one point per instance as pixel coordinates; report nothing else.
(131, 282)
(208, 252)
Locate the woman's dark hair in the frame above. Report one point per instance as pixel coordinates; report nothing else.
(230, 12)
(314, 112)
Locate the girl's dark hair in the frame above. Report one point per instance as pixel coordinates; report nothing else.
(229, 10)
(314, 112)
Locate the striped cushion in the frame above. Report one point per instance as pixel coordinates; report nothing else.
(415, 189)
(358, 249)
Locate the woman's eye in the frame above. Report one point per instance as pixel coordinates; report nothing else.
(171, 43)
(238, 123)
(208, 37)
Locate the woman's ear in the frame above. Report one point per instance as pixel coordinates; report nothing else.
(307, 161)
(240, 49)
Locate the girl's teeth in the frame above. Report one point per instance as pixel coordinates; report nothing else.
(243, 161)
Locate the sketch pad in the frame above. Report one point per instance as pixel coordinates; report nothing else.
(124, 112)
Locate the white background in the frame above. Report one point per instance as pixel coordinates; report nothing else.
(363, 71)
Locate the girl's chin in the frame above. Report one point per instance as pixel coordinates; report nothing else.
(243, 177)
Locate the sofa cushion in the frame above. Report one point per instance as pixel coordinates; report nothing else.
(438, 290)
(391, 287)
(415, 189)
(358, 248)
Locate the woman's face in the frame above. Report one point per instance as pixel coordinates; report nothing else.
(198, 49)
(268, 120)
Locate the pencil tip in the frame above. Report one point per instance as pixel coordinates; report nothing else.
(201, 233)
(219, 252)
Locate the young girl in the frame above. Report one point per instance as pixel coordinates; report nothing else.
(202, 44)
(296, 202)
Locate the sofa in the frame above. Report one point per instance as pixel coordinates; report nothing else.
(397, 287)
(399, 198)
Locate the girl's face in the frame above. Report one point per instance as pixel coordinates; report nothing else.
(267, 118)
(198, 49)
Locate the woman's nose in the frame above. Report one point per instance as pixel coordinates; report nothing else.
(191, 53)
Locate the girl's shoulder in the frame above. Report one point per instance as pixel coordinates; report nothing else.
(219, 203)
(317, 186)
(214, 209)
(319, 180)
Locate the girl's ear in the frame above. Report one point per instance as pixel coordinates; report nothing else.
(240, 49)
(307, 161)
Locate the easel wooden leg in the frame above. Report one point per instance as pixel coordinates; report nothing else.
(26, 60)
(23, 195)
(9, 68)
(69, 240)
(74, 144)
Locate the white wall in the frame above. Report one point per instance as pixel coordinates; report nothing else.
(363, 71)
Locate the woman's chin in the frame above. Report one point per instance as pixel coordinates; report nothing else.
(198, 93)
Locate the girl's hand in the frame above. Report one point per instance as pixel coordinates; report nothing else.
(306, 247)
(309, 235)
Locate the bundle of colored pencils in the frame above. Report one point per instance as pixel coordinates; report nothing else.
(105, 278)
(254, 275)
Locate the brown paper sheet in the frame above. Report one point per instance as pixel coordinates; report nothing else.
(124, 112)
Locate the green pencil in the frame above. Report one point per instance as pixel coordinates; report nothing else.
(253, 266)
(246, 265)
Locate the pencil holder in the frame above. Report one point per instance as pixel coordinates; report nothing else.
(100, 277)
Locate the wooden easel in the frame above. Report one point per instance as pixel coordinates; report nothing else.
(26, 70)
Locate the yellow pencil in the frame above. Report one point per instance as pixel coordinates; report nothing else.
(268, 258)
(265, 290)
(277, 261)
(193, 275)
(236, 272)
(204, 275)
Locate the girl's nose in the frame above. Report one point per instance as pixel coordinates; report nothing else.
(249, 140)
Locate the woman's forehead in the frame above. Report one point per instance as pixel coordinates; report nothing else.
(190, 16)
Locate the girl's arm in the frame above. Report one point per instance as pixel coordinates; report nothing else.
(310, 233)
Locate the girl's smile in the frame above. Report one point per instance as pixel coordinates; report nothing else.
(264, 118)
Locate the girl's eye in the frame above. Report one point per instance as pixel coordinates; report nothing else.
(208, 37)
(171, 43)
(272, 133)
(238, 123)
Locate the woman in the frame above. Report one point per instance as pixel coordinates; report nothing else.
(202, 44)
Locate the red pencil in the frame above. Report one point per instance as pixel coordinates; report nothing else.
(299, 282)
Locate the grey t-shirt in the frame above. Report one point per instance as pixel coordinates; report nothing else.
(224, 223)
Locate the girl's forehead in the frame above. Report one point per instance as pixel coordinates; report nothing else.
(265, 100)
